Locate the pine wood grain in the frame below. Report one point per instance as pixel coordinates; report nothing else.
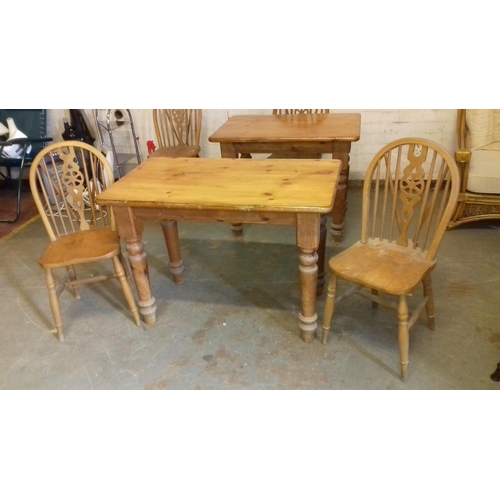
(289, 128)
(289, 185)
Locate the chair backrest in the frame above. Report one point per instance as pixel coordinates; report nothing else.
(300, 111)
(409, 195)
(65, 178)
(177, 127)
(31, 122)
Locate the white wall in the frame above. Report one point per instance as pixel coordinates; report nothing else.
(378, 127)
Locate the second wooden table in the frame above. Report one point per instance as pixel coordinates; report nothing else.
(330, 133)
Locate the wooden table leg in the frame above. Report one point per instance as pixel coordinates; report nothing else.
(227, 150)
(321, 256)
(130, 229)
(341, 152)
(237, 229)
(308, 229)
(171, 235)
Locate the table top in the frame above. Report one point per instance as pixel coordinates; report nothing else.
(289, 185)
(288, 128)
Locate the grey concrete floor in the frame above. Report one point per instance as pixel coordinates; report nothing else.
(233, 324)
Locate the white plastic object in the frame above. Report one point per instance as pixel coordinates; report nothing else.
(14, 151)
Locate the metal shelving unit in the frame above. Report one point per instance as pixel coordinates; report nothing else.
(109, 122)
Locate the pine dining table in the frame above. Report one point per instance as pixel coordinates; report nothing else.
(288, 192)
(329, 133)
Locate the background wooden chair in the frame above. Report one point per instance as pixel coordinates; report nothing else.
(478, 157)
(298, 154)
(177, 132)
(65, 178)
(409, 194)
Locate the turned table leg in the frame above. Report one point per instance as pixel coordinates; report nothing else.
(130, 229)
(171, 235)
(341, 152)
(308, 230)
(227, 150)
(237, 229)
(321, 256)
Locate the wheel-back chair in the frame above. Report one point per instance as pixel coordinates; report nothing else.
(65, 179)
(177, 132)
(409, 194)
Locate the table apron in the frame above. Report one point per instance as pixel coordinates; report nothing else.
(250, 217)
(282, 147)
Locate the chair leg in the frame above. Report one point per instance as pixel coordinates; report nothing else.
(403, 336)
(54, 303)
(329, 307)
(127, 291)
(374, 292)
(430, 303)
(72, 277)
(124, 264)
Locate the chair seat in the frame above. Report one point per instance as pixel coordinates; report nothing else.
(176, 152)
(81, 247)
(380, 265)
